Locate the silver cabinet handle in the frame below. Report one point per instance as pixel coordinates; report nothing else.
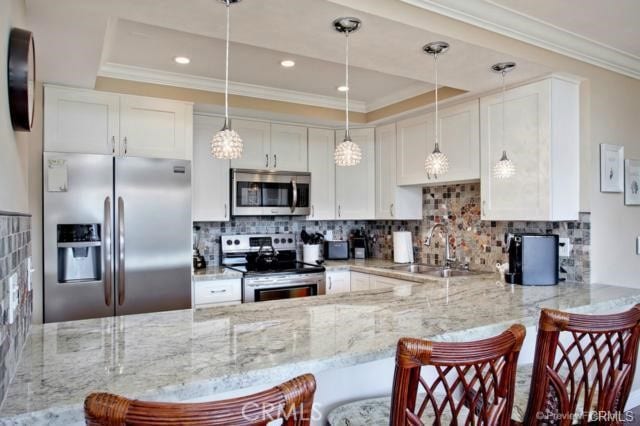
(218, 291)
(330, 282)
(391, 209)
(225, 210)
(121, 274)
(294, 202)
(108, 267)
(266, 156)
(125, 145)
(113, 145)
(313, 211)
(275, 161)
(339, 211)
(484, 206)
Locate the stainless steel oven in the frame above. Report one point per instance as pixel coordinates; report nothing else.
(267, 193)
(288, 286)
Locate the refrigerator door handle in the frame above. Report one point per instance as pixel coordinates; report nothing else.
(108, 267)
(121, 275)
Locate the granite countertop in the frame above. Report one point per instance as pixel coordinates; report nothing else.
(215, 273)
(188, 354)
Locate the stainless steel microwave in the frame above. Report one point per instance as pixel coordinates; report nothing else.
(267, 193)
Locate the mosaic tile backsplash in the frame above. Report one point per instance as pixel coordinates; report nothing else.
(479, 243)
(15, 249)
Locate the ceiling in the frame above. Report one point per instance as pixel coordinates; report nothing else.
(86, 38)
(611, 23)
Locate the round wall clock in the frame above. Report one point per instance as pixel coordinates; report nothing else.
(21, 69)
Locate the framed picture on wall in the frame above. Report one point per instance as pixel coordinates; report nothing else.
(632, 182)
(611, 168)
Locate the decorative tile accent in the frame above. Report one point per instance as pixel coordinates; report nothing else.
(481, 243)
(15, 248)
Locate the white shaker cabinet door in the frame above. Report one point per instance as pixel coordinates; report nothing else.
(355, 185)
(289, 148)
(323, 174)
(81, 121)
(460, 140)
(256, 140)
(338, 282)
(415, 138)
(155, 128)
(210, 176)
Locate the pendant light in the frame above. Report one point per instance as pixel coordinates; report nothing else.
(504, 168)
(436, 163)
(347, 153)
(226, 144)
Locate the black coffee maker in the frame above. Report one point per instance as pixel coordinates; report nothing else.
(533, 259)
(198, 259)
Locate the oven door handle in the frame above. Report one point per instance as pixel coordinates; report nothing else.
(294, 202)
(280, 282)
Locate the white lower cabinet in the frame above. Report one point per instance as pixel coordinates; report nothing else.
(360, 281)
(355, 185)
(323, 174)
(393, 202)
(210, 176)
(337, 282)
(227, 291)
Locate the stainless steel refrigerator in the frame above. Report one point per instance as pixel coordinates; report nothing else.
(117, 235)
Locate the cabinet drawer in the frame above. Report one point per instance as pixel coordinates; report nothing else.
(206, 292)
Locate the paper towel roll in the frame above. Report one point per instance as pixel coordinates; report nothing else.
(402, 247)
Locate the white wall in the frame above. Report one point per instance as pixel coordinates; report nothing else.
(13, 146)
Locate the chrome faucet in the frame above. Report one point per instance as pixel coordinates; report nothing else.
(448, 260)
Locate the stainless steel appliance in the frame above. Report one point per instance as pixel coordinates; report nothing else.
(117, 236)
(336, 250)
(533, 259)
(270, 269)
(267, 193)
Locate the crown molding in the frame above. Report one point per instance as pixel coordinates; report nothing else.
(147, 75)
(508, 22)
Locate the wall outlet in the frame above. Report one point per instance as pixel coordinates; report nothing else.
(565, 247)
(13, 297)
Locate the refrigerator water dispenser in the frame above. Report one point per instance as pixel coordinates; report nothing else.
(79, 253)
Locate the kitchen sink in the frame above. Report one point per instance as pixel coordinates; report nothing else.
(433, 271)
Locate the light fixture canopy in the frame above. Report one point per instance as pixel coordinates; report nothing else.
(182, 60)
(347, 153)
(227, 144)
(436, 164)
(504, 168)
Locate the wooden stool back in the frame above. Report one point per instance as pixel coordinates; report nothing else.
(583, 363)
(473, 382)
(291, 401)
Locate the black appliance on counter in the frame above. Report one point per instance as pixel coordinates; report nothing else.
(533, 259)
(336, 250)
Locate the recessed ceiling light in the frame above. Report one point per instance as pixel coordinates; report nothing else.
(288, 63)
(182, 60)
(343, 89)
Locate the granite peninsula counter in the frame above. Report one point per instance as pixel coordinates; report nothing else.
(188, 354)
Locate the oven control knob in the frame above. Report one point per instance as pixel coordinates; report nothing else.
(290, 240)
(277, 241)
(236, 242)
(229, 242)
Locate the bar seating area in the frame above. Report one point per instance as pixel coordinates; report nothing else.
(583, 368)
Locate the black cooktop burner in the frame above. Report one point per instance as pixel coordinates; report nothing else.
(283, 262)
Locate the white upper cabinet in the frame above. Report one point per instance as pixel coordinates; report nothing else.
(271, 146)
(155, 128)
(323, 174)
(392, 201)
(414, 141)
(92, 122)
(256, 141)
(459, 140)
(542, 139)
(210, 176)
(355, 185)
(459, 129)
(81, 121)
(288, 148)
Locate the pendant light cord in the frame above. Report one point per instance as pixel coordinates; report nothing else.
(226, 74)
(435, 65)
(346, 97)
(504, 73)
